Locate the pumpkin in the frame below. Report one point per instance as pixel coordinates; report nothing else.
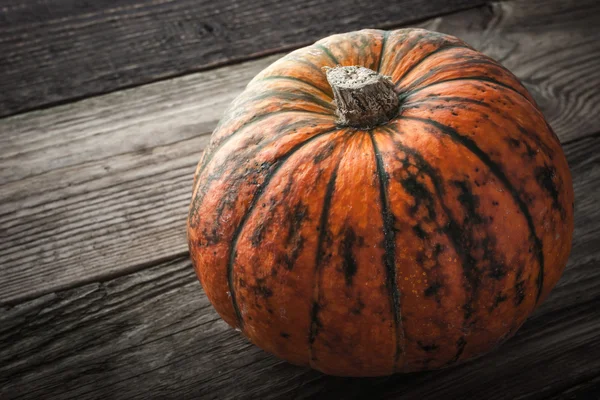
(381, 202)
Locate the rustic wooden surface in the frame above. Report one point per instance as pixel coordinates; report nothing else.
(97, 296)
(55, 50)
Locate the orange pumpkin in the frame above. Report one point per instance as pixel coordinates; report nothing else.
(412, 223)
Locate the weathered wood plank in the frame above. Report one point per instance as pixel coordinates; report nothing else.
(56, 50)
(100, 187)
(154, 334)
(587, 390)
(552, 46)
(105, 181)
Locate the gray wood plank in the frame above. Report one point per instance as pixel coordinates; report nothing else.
(153, 334)
(57, 50)
(100, 187)
(96, 188)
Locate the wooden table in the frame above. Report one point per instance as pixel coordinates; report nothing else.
(106, 107)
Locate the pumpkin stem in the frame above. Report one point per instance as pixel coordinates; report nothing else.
(363, 97)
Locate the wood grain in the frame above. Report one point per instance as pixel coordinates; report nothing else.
(154, 334)
(56, 50)
(105, 189)
(100, 187)
(552, 46)
(586, 390)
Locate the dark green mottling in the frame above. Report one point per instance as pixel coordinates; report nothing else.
(486, 79)
(442, 47)
(357, 309)
(349, 265)
(428, 347)
(315, 323)
(242, 168)
(463, 103)
(295, 241)
(295, 79)
(500, 298)
(389, 244)
(328, 53)
(420, 194)
(460, 235)
(418, 230)
(546, 177)
(435, 70)
(498, 172)
(291, 96)
(469, 202)
(433, 289)
(384, 40)
(257, 195)
(261, 289)
(519, 292)
(323, 155)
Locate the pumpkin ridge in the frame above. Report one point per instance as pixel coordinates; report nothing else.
(257, 194)
(315, 324)
(455, 233)
(384, 39)
(531, 135)
(428, 169)
(198, 199)
(470, 145)
(518, 135)
(433, 71)
(301, 60)
(210, 155)
(251, 121)
(293, 78)
(328, 53)
(448, 46)
(294, 57)
(407, 42)
(410, 92)
(276, 94)
(390, 252)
